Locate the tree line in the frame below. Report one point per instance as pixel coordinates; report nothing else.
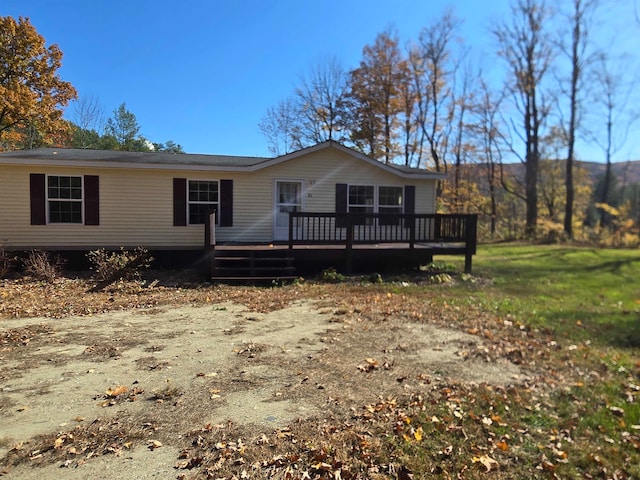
(428, 104)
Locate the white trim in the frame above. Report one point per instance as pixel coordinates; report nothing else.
(75, 200)
(189, 202)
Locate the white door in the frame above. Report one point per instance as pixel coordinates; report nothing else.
(288, 198)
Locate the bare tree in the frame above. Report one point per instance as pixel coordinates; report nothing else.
(612, 96)
(433, 67)
(486, 129)
(526, 47)
(410, 129)
(462, 102)
(320, 99)
(89, 116)
(579, 19)
(281, 129)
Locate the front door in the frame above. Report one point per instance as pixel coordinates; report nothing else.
(288, 198)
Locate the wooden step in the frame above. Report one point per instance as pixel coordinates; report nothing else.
(280, 278)
(252, 265)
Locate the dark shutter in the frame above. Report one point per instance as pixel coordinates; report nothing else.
(342, 192)
(409, 199)
(409, 202)
(91, 200)
(179, 202)
(226, 203)
(37, 193)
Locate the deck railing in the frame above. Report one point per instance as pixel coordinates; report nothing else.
(350, 229)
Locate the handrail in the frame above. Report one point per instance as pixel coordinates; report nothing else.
(363, 228)
(353, 228)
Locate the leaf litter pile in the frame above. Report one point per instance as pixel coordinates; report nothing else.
(510, 404)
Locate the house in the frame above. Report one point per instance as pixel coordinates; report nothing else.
(66, 199)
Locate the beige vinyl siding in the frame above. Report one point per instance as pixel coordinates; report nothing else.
(136, 205)
(321, 171)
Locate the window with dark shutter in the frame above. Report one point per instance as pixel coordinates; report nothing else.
(202, 199)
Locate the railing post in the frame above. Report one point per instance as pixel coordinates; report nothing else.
(412, 230)
(470, 241)
(349, 244)
(290, 230)
(209, 245)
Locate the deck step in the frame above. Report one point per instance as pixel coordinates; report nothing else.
(280, 278)
(242, 264)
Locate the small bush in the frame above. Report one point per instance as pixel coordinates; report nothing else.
(119, 265)
(330, 275)
(440, 267)
(6, 262)
(43, 266)
(376, 278)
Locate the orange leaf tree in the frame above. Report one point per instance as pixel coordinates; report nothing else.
(32, 94)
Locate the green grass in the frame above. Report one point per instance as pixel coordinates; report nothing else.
(577, 293)
(587, 302)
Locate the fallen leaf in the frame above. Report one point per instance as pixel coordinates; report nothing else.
(488, 462)
(153, 444)
(617, 411)
(115, 391)
(502, 445)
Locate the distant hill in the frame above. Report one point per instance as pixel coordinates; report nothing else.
(626, 172)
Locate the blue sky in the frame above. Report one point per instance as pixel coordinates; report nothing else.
(203, 72)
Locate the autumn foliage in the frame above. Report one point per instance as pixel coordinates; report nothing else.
(32, 94)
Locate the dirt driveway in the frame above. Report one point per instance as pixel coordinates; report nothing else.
(162, 372)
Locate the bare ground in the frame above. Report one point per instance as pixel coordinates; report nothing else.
(153, 376)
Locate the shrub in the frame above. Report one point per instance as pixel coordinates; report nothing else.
(6, 262)
(376, 278)
(43, 266)
(123, 264)
(330, 275)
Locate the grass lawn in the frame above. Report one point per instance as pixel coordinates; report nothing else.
(578, 293)
(584, 303)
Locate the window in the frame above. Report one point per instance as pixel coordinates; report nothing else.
(203, 198)
(363, 199)
(64, 199)
(390, 199)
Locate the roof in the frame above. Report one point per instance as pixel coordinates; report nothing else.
(186, 161)
(157, 158)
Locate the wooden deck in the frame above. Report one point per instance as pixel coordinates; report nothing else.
(347, 242)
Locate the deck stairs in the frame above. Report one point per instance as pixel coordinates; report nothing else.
(237, 264)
